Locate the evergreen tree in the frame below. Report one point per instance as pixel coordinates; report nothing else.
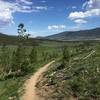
(33, 55)
(21, 30)
(23, 36)
(19, 56)
(5, 58)
(65, 56)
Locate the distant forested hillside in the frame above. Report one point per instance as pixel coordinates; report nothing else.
(13, 40)
(93, 34)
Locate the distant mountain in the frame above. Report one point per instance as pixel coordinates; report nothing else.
(93, 34)
(5, 38)
(13, 40)
(3, 35)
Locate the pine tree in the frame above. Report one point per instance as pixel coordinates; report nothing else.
(65, 56)
(19, 56)
(5, 58)
(33, 55)
(23, 36)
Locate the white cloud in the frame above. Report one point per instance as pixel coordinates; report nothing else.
(43, 1)
(6, 13)
(56, 27)
(29, 9)
(41, 8)
(92, 4)
(89, 13)
(28, 2)
(92, 9)
(8, 8)
(80, 21)
(75, 15)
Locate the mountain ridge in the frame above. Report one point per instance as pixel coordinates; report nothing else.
(83, 35)
(90, 34)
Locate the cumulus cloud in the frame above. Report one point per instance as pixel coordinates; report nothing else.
(80, 21)
(56, 27)
(89, 13)
(92, 4)
(92, 9)
(7, 9)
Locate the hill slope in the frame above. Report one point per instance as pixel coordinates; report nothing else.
(78, 78)
(13, 40)
(93, 34)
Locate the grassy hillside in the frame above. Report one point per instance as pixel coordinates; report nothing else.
(92, 34)
(74, 79)
(10, 82)
(14, 40)
(77, 77)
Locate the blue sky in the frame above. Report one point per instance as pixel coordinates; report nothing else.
(46, 17)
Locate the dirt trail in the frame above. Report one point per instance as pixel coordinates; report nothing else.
(30, 89)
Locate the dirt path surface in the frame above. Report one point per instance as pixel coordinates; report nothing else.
(30, 89)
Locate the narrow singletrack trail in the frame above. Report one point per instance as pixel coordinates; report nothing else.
(29, 86)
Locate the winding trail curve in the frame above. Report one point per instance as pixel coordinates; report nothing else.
(29, 86)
